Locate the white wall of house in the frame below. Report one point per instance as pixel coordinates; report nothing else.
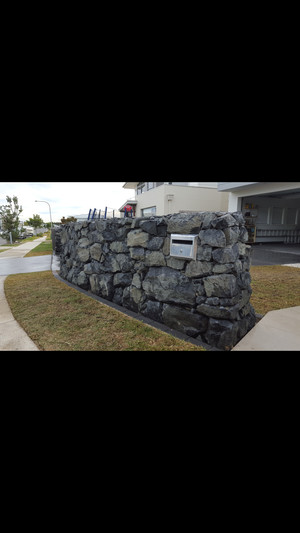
(237, 191)
(276, 214)
(169, 199)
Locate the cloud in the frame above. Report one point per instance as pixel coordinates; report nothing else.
(65, 198)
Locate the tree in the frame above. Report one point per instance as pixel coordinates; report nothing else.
(69, 219)
(36, 222)
(10, 217)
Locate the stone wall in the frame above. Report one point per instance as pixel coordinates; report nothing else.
(128, 262)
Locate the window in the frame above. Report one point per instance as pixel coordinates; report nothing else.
(150, 185)
(277, 215)
(149, 211)
(141, 188)
(158, 183)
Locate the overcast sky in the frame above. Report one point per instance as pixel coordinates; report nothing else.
(65, 198)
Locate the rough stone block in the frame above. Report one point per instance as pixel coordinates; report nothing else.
(83, 254)
(166, 285)
(137, 237)
(122, 279)
(96, 251)
(138, 254)
(226, 255)
(197, 269)
(154, 259)
(155, 243)
(213, 237)
(223, 286)
(183, 320)
(223, 221)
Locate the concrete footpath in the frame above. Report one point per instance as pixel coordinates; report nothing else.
(12, 261)
(276, 331)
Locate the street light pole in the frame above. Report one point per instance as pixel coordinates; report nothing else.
(44, 201)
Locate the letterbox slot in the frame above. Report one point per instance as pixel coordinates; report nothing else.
(176, 241)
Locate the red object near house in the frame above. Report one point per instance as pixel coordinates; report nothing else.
(128, 207)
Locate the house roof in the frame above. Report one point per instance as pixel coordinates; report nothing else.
(128, 202)
(130, 184)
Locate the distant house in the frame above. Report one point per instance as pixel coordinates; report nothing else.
(271, 209)
(163, 198)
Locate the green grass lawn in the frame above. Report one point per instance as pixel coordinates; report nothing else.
(45, 248)
(58, 317)
(274, 287)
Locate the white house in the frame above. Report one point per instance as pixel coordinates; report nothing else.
(271, 209)
(163, 198)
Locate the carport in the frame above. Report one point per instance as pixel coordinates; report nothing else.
(271, 209)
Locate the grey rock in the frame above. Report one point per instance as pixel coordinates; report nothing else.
(223, 286)
(238, 217)
(96, 251)
(121, 233)
(152, 310)
(204, 252)
(232, 235)
(226, 268)
(137, 296)
(137, 238)
(138, 254)
(125, 263)
(230, 313)
(222, 334)
(136, 281)
(122, 279)
(106, 289)
(83, 254)
(226, 255)
(83, 281)
(213, 237)
(178, 264)
(109, 235)
(168, 285)
(83, 243)
(119, 247)
(155, 243)
(225, 302)
(208, 217)
(149, 226)
(243, 234)
(197, 269)
(94, 282)
(223, 221)
(153, 259)
(244, 280)
(64, 236)
(182, 320)
(213, 301)
(101, 225)
(185, 223)
(77, 226)
(166, 246)
(118, 296)
(95, 236)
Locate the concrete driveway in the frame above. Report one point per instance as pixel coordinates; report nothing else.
(276, 253)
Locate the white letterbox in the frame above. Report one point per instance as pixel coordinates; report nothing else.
(183, 246)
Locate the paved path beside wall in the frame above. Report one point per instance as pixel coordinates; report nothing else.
(12, 261)
(276, 331)
(12, 336)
